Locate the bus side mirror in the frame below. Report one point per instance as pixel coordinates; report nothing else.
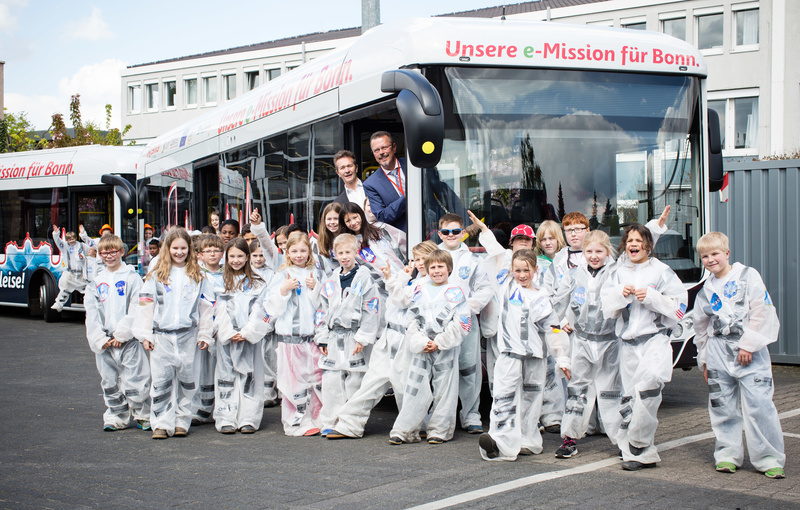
(715, 172)
(124, 190)
(421, 110)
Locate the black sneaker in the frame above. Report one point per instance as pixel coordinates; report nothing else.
(553, 429)
(435, 440)
(568, 449)
(633, 465)
(489, 445)
(227, 429)
(395, 440)
(635, 450)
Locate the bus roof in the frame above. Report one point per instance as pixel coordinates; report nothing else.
(71, 166)
(350, 76)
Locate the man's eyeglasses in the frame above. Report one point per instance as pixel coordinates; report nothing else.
(448, 232)
(576, 230)
(108, 253)
(381, 149)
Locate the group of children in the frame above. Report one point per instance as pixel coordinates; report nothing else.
(331, 322)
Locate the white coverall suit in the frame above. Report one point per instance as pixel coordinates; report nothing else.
(732, 313)
(74, 277)
(389, 360)
(299, 375)
(345, 317)
(174, 317)
(203, 400)
(111, 302)
(469, 272)
(645, 354)
(595, 353)
(269, 349)
(525, 335)
(440, 314)
(239, 375)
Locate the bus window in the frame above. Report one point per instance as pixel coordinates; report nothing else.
(32, 213)
(94, 211)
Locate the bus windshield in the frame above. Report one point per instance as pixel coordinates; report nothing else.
(529, 145)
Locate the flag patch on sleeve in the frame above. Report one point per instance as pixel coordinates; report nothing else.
(681, 311)
(465, 322)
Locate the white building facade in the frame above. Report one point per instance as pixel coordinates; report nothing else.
(754, 76)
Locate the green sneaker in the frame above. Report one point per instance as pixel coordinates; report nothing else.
(726, 467)
(775, 473)
(143, 424)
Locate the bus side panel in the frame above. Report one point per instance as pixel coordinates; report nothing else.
(18, 264)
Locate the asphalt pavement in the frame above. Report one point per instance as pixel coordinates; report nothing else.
(54, 453)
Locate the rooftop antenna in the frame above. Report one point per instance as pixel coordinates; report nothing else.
(503, 17)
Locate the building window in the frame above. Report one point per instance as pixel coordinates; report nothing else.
(746, 28)
(709, 32)
(250, 80)
(738, 121)
(675, 27)
(272, 74)
(230, 86)
(169, 95)
(210, 90)
(190, 87)
(636, 26)
(134, 98)
(151, 89)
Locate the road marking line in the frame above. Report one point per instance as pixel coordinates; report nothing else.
(554, 475)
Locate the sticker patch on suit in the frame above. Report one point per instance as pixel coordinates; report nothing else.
(188, 290)
(463, 272)
(367, 254)
(373, 306)
(417, 293)
(730, 289)
(454, 295)
(516, 298)
(102, 291)
(579, 296)
(319, 317)
(329, 288)
(358, 289)
(767, 299)
(120, 285)
(502, 275)
(716, 302)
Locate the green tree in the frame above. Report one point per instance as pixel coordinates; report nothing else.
(17, 134)
(83, 134)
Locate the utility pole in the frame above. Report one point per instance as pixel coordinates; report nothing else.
(370, 14)
(2, 91)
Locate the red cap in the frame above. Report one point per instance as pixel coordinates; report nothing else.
(523, 230)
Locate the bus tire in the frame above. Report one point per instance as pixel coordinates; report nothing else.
(48, 290)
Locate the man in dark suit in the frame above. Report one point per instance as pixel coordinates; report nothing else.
(386, 187)
(347, 170)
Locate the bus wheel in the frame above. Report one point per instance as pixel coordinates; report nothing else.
(47, 296)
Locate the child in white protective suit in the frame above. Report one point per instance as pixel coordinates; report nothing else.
(527, 331)
(269, 345)
(595, 346)
(209, 249)
(174, 321)
(74, 277)
(734, 322)
(241, 325)
(436, 324)
(291, 303)
(497, 264)
(348, 319)
(111, 301)
(648, 299)
(471, 275)
(390, 357)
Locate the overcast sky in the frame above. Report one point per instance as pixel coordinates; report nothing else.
(53, 48)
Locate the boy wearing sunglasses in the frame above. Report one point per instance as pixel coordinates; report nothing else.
(110, 302)
(470, 275)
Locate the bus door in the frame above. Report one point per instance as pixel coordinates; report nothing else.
(207, 178)
(359, 131)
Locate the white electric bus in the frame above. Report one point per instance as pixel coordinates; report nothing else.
(518, 121)
(66, 188)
